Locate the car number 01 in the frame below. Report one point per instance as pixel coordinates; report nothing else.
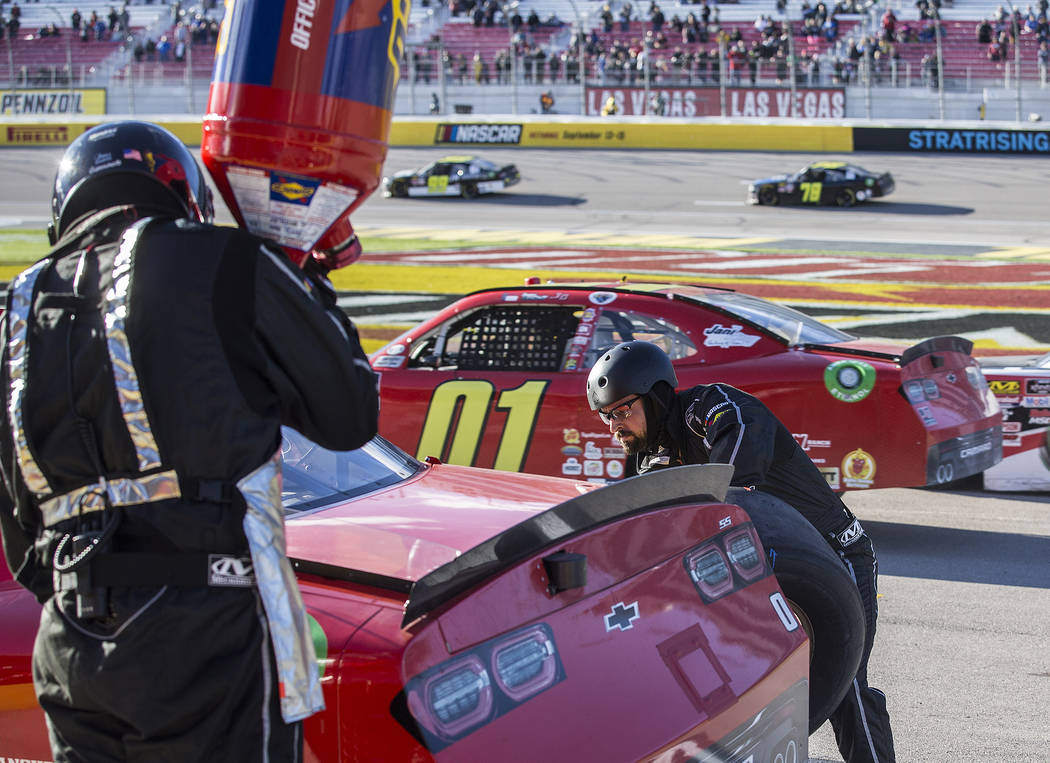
(811, 192)
(780, 606)
(522, 404)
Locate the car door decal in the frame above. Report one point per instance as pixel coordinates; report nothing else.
(437, 183)
(472, 397)
(811, 192)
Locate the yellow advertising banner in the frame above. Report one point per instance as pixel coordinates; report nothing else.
(50, 103)
(460, 134)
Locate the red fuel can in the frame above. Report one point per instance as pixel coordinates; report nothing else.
(299, 115)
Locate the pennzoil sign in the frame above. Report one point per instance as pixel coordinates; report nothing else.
(53, 102)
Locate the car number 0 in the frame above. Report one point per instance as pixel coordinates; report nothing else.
(472, 397)
(811, 192)
(780, 606)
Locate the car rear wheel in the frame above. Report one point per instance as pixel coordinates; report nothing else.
(768, 195)
(820, 592)
(469, 190)
(845, 198)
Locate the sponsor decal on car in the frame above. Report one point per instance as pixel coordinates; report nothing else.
(1037, 386)
(850, 381)
(926, 415)
(806, 442)
(1011, 427)
(572, 450)
(1004, 386)
(622, 616)
(614, 469)
(612, 452)
(858, 469)
(1039, 416)
(592, 451)
(572, 468)
(726, 337)
(593, 468)
(831, 474)
(389, 361)
(1036, 402)
(570, 435)
(601, 297)
(395, 349)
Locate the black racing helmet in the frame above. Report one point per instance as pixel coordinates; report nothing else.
(127, 162)
(630, 368)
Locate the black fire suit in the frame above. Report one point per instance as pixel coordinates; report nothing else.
(147, 368)
(718, 423)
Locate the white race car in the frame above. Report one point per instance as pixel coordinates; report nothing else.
(1022, 387)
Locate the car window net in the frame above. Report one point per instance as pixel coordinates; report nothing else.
(519, 338)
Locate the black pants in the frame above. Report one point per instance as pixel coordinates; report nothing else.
(861, 722)
(176, 675)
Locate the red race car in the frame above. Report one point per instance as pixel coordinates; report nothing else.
(497, 379)
(463, 614)
(1022, 387)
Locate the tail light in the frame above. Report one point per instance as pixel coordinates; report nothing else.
(709, 571)
(726, 563)
(454, 699)
(742, 546)
(462, 694)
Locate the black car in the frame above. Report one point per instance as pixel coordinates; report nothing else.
(838, 183)
(466, 176)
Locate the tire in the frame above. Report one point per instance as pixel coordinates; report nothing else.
(845, 198)
(398, 190)
(819, 590)
(768, 195)
(469, 190)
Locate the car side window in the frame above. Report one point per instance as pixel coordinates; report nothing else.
(615, 326)
(832, 176)
(527, 338)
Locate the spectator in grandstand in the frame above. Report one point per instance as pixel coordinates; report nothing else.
(12, 27)
(547, 100)
(888, 24)
(984, 32)
(609, 108)
(74, 20)
(656, 18)
(163, 48)
(996, 50)
(1043, 59)
(515, 21)
(533, 21)
(830, 28)
(626, 12)
(605, 15)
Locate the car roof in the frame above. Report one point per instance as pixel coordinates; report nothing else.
(458, 158)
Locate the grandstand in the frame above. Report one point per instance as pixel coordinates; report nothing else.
(444, 38)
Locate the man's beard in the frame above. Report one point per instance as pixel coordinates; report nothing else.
(633, 445)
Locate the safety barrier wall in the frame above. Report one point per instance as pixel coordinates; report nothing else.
(475, 133)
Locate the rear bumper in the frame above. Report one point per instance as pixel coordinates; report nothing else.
(964, 455)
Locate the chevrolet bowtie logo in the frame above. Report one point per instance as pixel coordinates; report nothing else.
(622, 616)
